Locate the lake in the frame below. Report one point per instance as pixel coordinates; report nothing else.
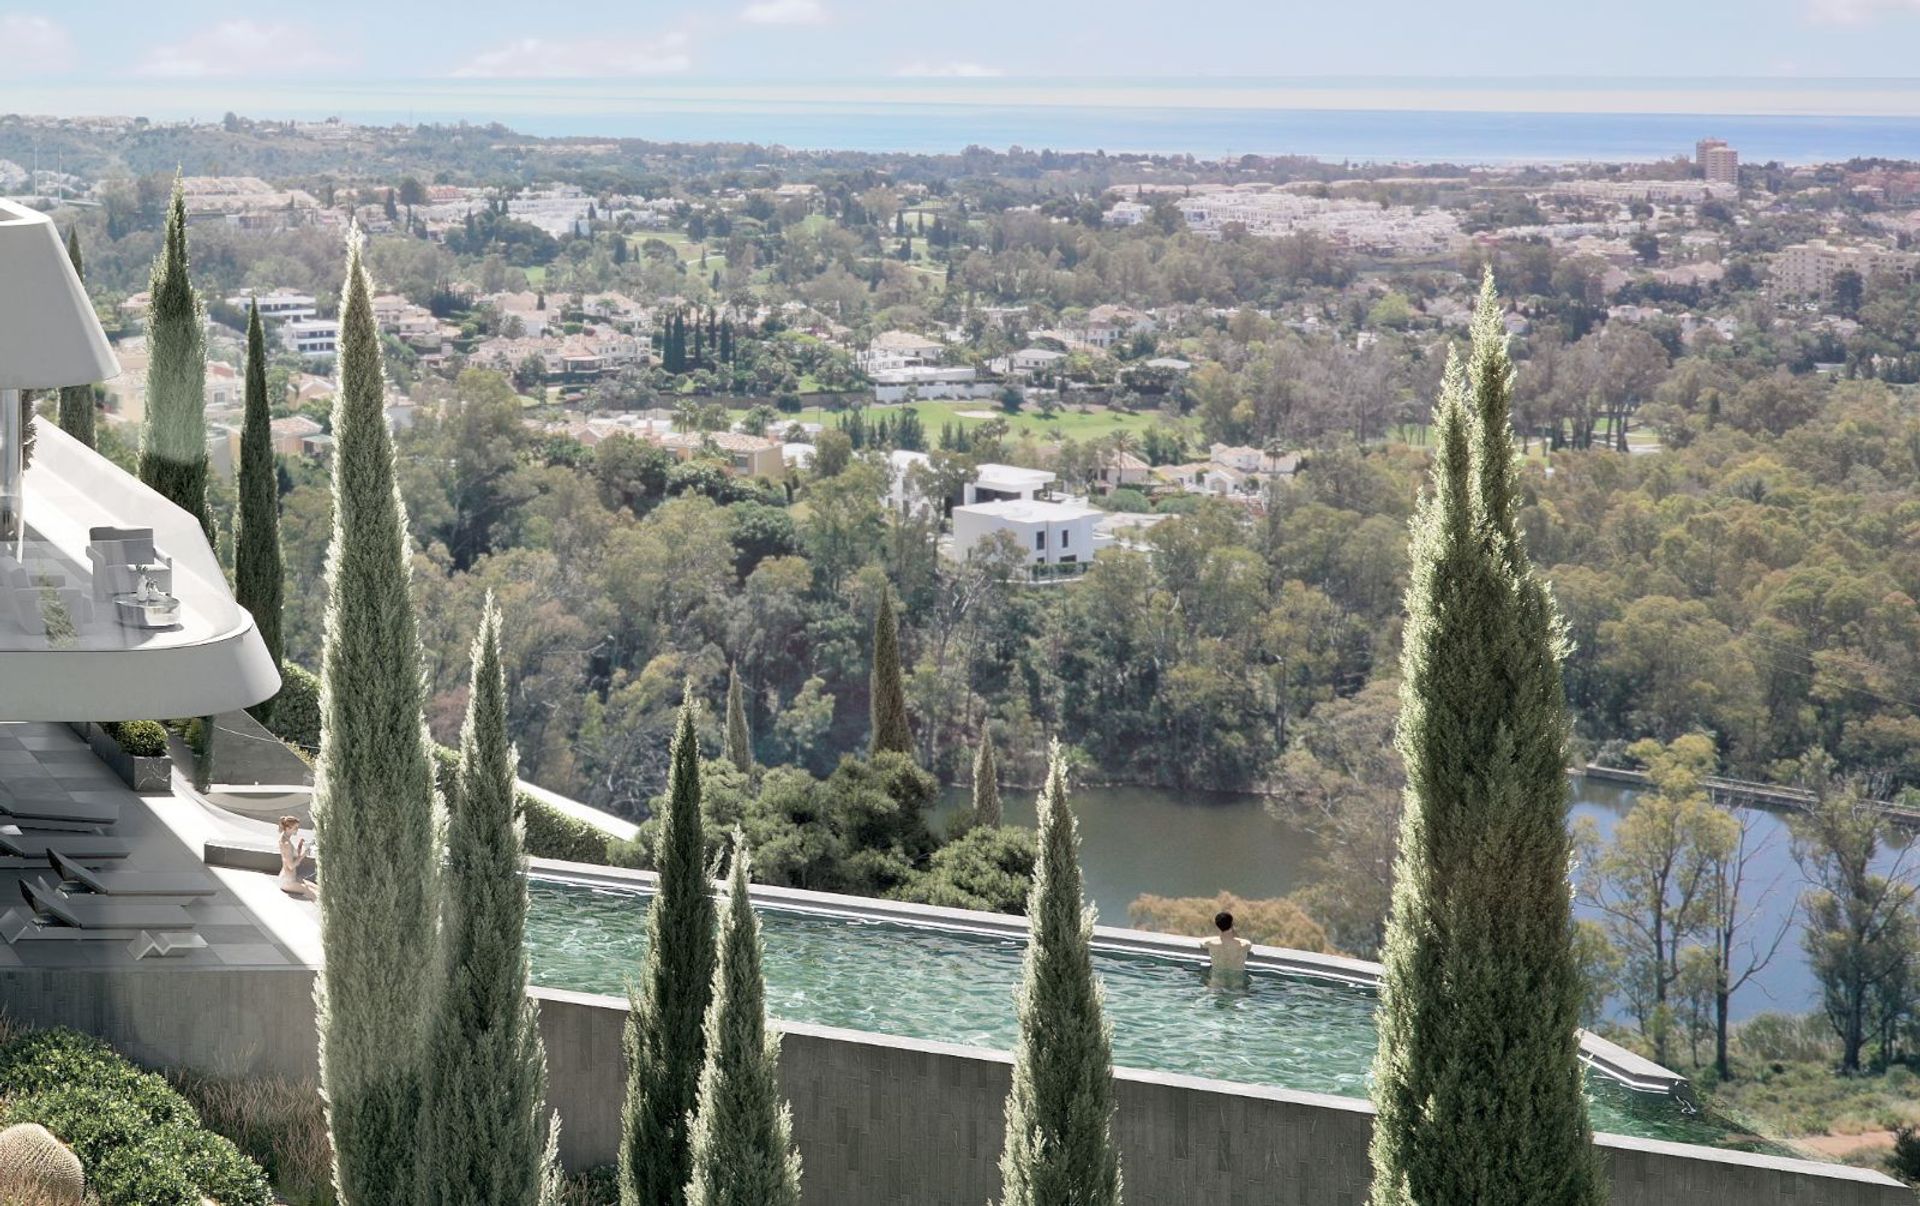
(1135, 840)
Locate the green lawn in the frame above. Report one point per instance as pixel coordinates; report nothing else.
(1069, 423)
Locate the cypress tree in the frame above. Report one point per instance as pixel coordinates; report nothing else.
(891, 730)
(482, 1133)
(173, 454)
(743, 1153)
(665, 1043)
(1059, 1149)
(258, 580)
(374, 800)
(76, 401)
(986, 781)
(1478, 1079)
(739, 740)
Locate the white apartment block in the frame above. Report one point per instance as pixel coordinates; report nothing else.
(1348, 222)
(280, 305)
(315, 338)
(1808, 270)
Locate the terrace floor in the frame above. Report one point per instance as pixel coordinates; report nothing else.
(243, 924)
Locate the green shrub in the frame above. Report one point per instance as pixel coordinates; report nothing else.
(295, 717)
(550, 832)
(140, 1142)
(1128, 500)
(1905, 1160)
(141, 738)
(594, 1187)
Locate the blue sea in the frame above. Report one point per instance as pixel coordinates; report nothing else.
(1387, 120)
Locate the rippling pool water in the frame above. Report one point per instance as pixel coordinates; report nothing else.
(1292, 1032)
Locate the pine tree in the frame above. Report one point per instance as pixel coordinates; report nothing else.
(1478, 1079)
(374, 799)
(483, 1134)
(173, 456)
(891, 730)
(665, 1043)
(739, 740)
(258, 578)
(1059, 1147)
(986, 782)
(76, 401)
(743, 1153)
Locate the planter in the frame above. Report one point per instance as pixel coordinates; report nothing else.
(148, 776)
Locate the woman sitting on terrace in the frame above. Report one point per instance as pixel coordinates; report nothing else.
(293, 851)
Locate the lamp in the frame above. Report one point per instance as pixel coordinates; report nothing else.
(49, 335)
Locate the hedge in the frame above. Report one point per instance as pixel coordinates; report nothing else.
(295, 717)
(140, 1142)
(550, 832)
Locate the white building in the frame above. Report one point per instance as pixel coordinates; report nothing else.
(1052, 533)
(1007, 483)
(316, 338)
(1027, 361)
(281, 305)
(925, 381)
(905, 474)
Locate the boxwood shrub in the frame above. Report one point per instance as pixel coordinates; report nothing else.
(295, 715)
(141, 738)
(139, 1141)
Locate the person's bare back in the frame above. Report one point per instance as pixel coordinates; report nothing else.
(1227, 951)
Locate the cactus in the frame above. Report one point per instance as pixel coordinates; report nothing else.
(38, 1170)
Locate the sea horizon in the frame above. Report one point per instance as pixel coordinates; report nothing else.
(1462, 120)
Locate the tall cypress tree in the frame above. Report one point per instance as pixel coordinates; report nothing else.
(374, 799)
(1478, 1079)
(258, 579)
(173, 454)
(482, 1133)
(665, 1039)
(739, 740)
(986, 781)
(891, 729)
(1059, 1147)
(743, 1153)
(76, 401)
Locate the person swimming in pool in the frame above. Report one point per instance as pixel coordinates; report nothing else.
(1227, 953)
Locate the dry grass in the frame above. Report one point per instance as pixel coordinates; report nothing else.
(280, 1123)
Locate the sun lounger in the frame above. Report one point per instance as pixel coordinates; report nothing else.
(29, 811)
(132, 883)
(163, 946)
(83, 846)
(88, 913)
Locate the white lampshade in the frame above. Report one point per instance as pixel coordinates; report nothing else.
(49, 334)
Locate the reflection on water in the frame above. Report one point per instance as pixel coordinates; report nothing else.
(1287, 1031)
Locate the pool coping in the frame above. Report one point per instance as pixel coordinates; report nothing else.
(1610, 1059)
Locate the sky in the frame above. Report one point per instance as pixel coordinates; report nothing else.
(60, 44)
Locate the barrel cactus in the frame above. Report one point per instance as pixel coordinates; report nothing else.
(38, 1170)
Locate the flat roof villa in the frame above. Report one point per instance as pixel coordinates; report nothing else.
(144, 918)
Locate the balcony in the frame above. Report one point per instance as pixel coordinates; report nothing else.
(112, 605)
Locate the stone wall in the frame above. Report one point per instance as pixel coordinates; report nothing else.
(883, 1121)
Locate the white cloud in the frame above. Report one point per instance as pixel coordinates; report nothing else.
(1857, 12)
(784, 12)
(950, 71)
(584, 58)
(35, 45)
(241, 48)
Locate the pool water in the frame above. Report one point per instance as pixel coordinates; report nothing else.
(1285, 1031)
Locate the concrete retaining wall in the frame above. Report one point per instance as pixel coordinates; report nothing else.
(883, 1121)
(228, 1021)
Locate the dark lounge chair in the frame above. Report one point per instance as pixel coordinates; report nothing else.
(132, 883)
(90, 914)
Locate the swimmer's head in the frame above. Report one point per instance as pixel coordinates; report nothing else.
(1223, 921)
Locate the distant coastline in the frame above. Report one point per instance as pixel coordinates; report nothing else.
(1378, 121)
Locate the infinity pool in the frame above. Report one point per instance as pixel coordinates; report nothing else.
(1291, 1032)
